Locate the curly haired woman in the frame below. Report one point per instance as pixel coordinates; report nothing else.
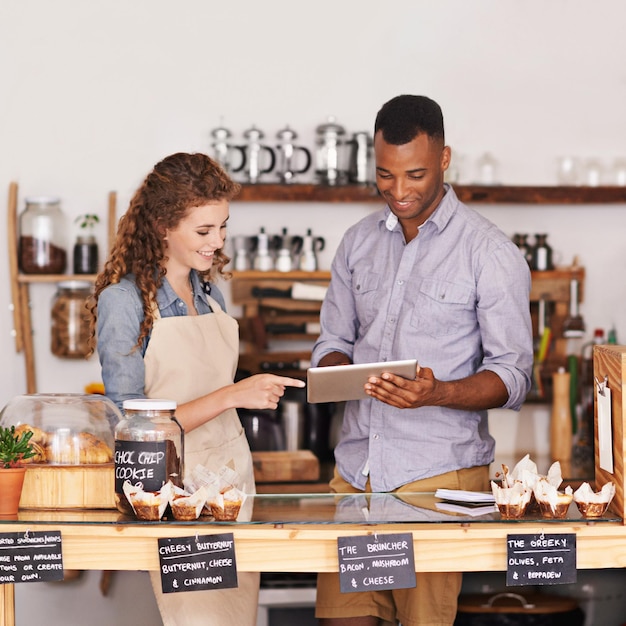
(163, 333)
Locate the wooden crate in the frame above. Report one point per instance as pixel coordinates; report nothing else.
(285, 466)
(69, 487)
(610, 361)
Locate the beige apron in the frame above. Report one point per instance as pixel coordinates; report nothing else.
(188, 357)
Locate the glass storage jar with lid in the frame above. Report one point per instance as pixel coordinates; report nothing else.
(70, 326)
(149, 448)
(42, 236)
(68, 428)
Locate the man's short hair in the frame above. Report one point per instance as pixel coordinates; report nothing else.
(404, 117)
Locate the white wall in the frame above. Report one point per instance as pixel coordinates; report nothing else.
(93, 94)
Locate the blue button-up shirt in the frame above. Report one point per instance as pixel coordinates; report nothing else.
(456, 298)
(120, 313)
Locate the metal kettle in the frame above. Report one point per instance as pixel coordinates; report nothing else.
(263, 258)
(330, 167)
(311, 245)
(360, 165)
(242, 250)
(223, 150)
(253, 151)
(286, 156)
(288, 251)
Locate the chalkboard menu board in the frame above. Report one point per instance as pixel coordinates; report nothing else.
(30, 557)
(374, 562)
(541, 559)
(142, 463)
(197, 563)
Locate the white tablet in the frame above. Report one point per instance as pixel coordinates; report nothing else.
(337, 383)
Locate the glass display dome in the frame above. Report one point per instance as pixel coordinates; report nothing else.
(69, 429)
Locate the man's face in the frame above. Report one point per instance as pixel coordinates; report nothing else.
(410, 178)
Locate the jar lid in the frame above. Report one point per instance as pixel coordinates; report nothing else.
(42, 200)
(74, 284)
(149, 404)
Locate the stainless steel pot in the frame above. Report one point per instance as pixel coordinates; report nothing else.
(263, 430)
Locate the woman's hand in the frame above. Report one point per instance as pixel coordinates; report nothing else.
(262, 391)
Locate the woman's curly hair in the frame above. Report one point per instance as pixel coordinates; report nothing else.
(177, 184)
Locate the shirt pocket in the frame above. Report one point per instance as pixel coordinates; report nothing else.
(443, 308)
(365, 290)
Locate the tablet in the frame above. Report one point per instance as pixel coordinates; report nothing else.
(337, 383)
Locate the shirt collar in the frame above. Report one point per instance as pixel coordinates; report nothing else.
(167, 296)
(442, 215)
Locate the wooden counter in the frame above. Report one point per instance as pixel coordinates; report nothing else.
(105, 540)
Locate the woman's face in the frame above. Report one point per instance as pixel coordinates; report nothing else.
(192, 244)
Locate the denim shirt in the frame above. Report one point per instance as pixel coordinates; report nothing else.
(120, 313)
(456, 298)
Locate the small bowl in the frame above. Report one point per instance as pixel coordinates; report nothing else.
(592, 509)
(561, 508)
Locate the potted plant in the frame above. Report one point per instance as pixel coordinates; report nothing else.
(86, 247)
(14, 450)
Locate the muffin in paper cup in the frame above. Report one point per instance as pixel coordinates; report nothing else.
(187, 507)
(594, 504)
(225, 506)
(553, 504)
(148, 505)
(511, 501)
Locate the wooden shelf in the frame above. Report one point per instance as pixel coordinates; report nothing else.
(478, 194)
(54, 278)
(259, 313)
(20, 283)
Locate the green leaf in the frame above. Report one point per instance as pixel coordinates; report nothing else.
(14, 448)
(87, 220)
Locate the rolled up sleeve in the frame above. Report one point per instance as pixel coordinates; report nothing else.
(119, 317)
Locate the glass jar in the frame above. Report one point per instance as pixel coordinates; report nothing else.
(521, 240)
(149, 448)
(542, 254)
(85, 255)
(70, 326)
(42, 229)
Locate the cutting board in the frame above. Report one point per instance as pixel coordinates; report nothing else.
(285, 466)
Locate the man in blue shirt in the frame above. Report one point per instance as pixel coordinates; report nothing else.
(427, 278)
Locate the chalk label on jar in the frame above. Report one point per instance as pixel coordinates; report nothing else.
(142, 463)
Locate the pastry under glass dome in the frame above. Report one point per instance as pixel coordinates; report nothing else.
(69, 428)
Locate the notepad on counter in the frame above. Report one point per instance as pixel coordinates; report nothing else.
(473, 510)
(468, 498)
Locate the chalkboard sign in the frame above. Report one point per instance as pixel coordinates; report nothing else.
(541, 559)
(197, 563)
(374, 562)
(30, 557)
(142, 463)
